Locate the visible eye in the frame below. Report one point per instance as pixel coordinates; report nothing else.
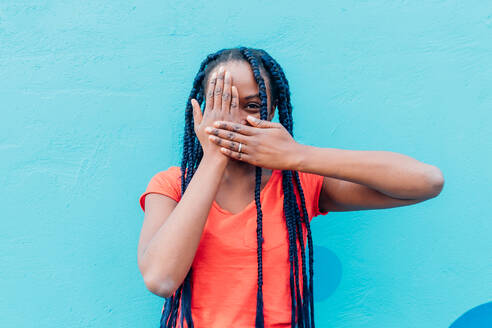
(255, 105)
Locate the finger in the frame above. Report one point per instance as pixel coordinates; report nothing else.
(226, 94)
(234, 99)
(227, 135)
(239, 156)
(232, 145)
(218, 89)
(197, 113)
(210, 92)
(236, 127)
(256, 122)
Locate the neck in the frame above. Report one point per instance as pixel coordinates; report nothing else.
(237, 170)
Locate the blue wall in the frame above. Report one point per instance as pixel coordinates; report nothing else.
(92, 96)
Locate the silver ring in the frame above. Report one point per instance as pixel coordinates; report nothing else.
(239, 149)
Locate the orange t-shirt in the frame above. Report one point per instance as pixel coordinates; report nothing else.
(224, 278)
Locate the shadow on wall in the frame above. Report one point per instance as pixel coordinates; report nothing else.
(327, 276)
(478, 317)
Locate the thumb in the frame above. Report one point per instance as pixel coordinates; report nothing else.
(259, 123)
(197, 113)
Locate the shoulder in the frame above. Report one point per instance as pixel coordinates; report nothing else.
(173, 172)
(310, 179)
(166, 182)
(168, 178)
(312, 185)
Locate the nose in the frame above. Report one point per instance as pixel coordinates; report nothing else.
(240, 117)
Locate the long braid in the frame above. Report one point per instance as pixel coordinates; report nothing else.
(291, 221)
(292, 227)
(284, 95)
(291, 212)
(305, 303)
(285, 120)
(259, 322)
(278, 73)
(288, 191)
(310, 242)
(192, 155)
(288, 217)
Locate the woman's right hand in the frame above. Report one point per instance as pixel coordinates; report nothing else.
(221, 104)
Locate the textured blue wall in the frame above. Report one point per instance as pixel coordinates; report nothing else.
(92, 96)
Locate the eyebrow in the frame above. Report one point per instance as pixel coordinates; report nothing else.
(253, 96)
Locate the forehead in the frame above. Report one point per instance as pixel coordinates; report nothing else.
(242, 77)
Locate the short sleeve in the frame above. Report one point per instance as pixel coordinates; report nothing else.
(311, 186)
(167, 183)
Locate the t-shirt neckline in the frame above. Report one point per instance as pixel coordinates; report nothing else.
(252, 203)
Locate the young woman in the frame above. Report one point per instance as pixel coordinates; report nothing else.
(224, 236)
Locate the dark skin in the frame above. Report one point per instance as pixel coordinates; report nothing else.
(237, 186)
(353, 180)
(171, 230)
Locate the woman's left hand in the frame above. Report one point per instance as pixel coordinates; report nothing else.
(264, 143)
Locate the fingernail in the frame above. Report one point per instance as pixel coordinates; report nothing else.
(208, 129)
(221, 69)
(252, 118)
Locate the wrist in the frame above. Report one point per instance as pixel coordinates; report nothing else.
(218, 159)
(322, 161)
(300, 157)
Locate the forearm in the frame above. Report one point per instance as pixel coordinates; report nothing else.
(393, 174)
(171, 251)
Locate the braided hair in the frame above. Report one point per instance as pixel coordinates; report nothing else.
(302, 304)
